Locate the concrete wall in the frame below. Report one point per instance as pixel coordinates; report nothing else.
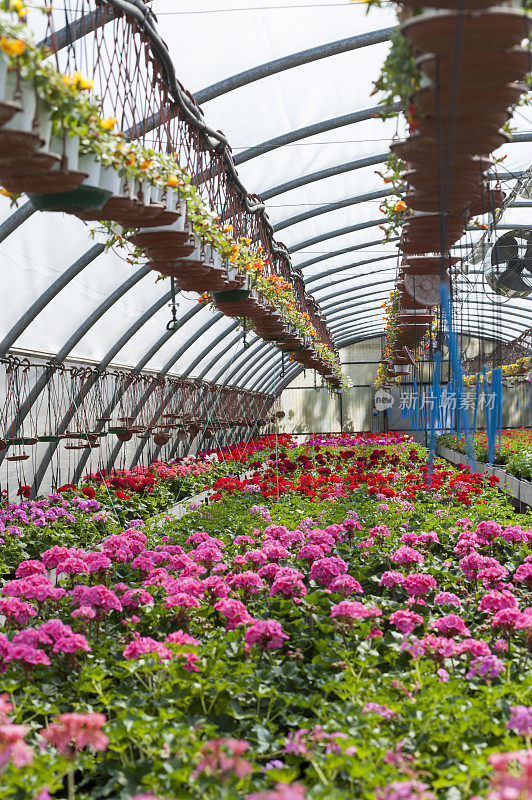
(310, 408)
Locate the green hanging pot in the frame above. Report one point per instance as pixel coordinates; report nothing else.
(231, 296)
(76, 200)
(51, 438)
(22, 440)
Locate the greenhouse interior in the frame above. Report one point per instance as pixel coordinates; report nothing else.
(265, 400)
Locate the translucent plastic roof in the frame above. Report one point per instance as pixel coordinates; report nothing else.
(340, 250)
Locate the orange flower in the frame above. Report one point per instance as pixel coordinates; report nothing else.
(146, 164)
(12, 47)
(108, 124)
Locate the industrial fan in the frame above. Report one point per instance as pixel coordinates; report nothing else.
(508, 265)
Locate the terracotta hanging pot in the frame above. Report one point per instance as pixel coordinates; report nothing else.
(124, 436)
(165, 217)
(430, 202)
(495, 70)
(487, 201)
(122, 209)
(3, 444)
(53, 182)
(150, 214)
(16, 144)
(436, 32)
(164, 244)
(469, 5)
(415, 264)
(18, 457)
(427, 181)
(161, 439)
(8, 110)
(418, 147)
(466, 101)
(34, 164)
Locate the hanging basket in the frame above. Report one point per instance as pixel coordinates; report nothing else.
(19, 440)
(16, 144)
(52, 182)
(8, 110)
(91, 197)
(161, 439)
(50, 438)
(496, 70)
(436, 32)
(468, 100)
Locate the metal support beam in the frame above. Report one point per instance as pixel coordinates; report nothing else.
(104, 363)
(291, 61)
(17, 218)
(316, 212)
(324, 237)
(329, 172)
(76, 337)
(52, 291)
(310, 130)
(336, 253)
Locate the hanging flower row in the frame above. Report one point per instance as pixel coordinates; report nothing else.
(74, 111)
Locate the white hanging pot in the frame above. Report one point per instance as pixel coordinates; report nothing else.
(23, 120)
(4, 67)
(69, 145)
(400, 369)
(145, 190)
(44, 124)
(109, 180)
(89, 163)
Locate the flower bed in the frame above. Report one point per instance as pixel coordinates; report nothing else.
(331, 627)
(515, 452)
(78, 516)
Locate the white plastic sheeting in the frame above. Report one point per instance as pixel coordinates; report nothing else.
(208, 42)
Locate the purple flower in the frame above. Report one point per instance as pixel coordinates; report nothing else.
(520, 720)
(487, 667)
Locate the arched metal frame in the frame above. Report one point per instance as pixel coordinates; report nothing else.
(217, 90)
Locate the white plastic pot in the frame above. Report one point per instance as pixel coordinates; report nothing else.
(401, 369)
(109, 180)
(89, 163)
(44, 122)
(23, 121)
(4, 66)
(70, 146)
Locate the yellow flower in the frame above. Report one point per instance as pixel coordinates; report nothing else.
(18, 6)
(12, 47)
(172, 181)
(6, 193)
(245, 240)
(400, 205)
(108, 124)
(79, 82)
